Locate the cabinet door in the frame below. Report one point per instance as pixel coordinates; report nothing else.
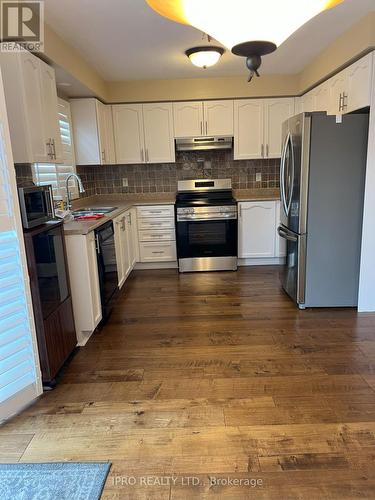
(132, 236)
(50, 110)
(128, 131)
(257, 229)
(308, 102)
(105, 131)
(85, 130)
(337, 86)
(96, 303)
(322, 97)
(248, 129)
(359, 77)
(218, 117)
(158, 130)
(276, 111)
(40, 151)
(188, 119)
(118, 224)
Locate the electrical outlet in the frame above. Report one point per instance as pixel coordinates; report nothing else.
(258, 177)
(125, 183)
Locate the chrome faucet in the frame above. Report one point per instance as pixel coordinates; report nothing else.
(80, 187)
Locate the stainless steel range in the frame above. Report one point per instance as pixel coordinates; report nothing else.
(206, 225)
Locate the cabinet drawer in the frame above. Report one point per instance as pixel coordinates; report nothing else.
(157, 252)
(153, 224)
(157, 235)
(156, 211)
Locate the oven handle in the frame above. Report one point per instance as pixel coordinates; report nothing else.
(185, 218)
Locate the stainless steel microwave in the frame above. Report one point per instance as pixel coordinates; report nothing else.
(36, 205)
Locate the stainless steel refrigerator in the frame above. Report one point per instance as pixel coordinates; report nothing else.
(322, 178)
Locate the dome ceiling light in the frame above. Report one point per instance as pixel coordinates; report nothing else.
(249, 28)
(204, 56)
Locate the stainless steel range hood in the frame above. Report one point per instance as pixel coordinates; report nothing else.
(204, 143)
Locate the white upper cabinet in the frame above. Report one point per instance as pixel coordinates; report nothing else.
(359, 82)
(105, 128)
(128, 129)
(158, 132)
(258, 127)
(248, 129)
(322, 97)
(308, 102)
(257, 229)
(31, 98)
(49, 105)
(144, 133)
(337, 85)
(218, 117)
(188, 119)
(276, 112)
(197, 118)
(93, 132)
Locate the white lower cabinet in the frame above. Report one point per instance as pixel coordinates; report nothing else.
(257, 230)
(84, 282)
(156, 233)
(257, 222)
(125, 244)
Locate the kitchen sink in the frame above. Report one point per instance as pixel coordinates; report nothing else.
(93, 211)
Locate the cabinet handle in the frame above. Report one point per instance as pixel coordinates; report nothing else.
(147, 155)
(340, 102)
(53, 148)
(267, 149)
(142, 155)
(201, 128)
(123, 223)
(344, 103)
(130, 219)
(49, 149)
(240, 211)
(262, 151)
(206, 128)
(103, 156)
(158, 253)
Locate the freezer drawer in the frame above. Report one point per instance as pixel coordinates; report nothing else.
(293, 274)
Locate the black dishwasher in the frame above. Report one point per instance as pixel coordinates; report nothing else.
(107, 266)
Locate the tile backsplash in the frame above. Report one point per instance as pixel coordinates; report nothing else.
(162, 178)
(155, 178)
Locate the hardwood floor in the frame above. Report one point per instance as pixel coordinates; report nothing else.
(214, 376)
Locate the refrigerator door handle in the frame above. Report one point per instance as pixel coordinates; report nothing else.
(284, 234)
(291, 186)
(282, 175)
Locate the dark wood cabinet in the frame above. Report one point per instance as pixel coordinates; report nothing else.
(52, 303)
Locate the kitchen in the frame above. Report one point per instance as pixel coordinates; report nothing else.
(161, 203)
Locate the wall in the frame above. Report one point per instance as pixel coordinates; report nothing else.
(366, 300)
(202, 88)
(157, 178)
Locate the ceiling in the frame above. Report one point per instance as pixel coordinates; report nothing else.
(126, 40)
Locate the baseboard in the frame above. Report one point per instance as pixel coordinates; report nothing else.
(156, 265)
(272, 261)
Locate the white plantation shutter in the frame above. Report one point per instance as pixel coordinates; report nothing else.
(19, 366)
(56, 174)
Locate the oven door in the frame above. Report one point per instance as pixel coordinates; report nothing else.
(207, 238)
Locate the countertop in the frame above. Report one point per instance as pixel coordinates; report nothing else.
(123, 202)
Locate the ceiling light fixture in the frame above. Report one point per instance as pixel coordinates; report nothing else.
(249, 28)
(206, 56)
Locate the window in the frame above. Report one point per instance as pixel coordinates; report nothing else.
(56, 174)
